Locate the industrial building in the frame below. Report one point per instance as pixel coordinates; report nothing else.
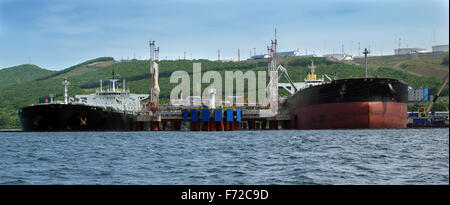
(262, 56)
(418, 95)
(404, 51)
(288, 53)
(440, 48)
(279, 54)
(309, 55)
(339, 56)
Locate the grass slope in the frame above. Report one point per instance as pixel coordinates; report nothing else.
(22, 73)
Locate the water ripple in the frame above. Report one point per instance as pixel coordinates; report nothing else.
(241, 157)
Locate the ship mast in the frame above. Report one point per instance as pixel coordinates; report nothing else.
(365, 52)
(65, 83)
(113, 80)
(312, 72)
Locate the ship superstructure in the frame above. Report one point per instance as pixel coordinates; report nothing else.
(116, 97)
(310, 80)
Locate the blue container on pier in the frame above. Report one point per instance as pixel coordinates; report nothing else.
(205, 115)
(229, 115)
(421, 121)
(218, 115)
(185, 115)
(426, 95)
(238, 115)
(194, 116)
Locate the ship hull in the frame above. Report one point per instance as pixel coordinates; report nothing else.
(352, 115)
(73, 117)
(351, 104)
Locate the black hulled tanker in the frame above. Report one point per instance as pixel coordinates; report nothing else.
(74, 117)
(113, 109)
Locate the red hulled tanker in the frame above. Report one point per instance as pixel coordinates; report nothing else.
(363, 103)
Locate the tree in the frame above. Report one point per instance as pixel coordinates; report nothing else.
(3, 120)
(445, 61)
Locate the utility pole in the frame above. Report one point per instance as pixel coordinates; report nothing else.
(239, 55)
(359, 49)
(434, 37)
(218, 55)
(351, 48)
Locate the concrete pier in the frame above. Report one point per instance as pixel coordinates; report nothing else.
(205, 119)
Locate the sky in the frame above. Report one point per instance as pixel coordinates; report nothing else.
(56, 34)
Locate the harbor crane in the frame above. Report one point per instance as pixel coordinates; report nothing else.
(424, 118)
(423, 112)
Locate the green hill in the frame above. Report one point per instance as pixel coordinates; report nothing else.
(85, 79)
(426, 64)
(22, 73)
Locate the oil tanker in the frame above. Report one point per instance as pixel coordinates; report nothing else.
(358, 103)
(112, 109)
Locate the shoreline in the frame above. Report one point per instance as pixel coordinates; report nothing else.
(10, 130)
(19, 130)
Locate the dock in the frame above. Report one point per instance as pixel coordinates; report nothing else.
(208, 119)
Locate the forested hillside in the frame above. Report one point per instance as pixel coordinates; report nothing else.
(24, 85)
(22, 73)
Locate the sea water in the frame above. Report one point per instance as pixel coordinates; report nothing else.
(388, 156)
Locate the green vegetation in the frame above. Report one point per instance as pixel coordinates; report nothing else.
(77, 66)
(85, 80)
(414, 80)
(22, 73)
(307, 61)
(425, 64)
(437, 106)
(445, 61)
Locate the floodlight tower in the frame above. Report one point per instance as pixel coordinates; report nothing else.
(154, 75)
(365, 52)
(273, 74)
